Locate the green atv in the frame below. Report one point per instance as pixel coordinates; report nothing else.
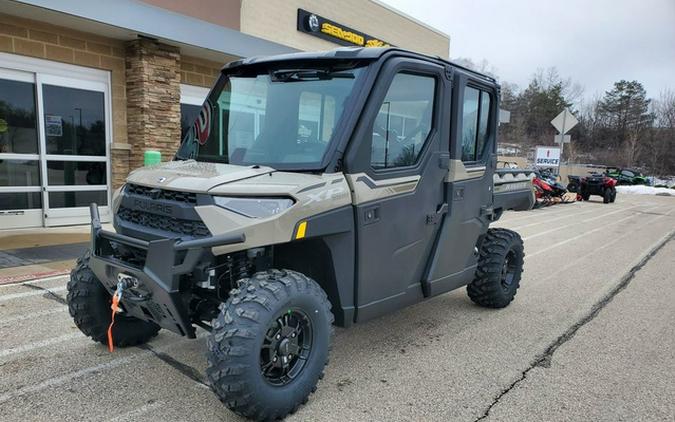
(314, 189)
(626, 176)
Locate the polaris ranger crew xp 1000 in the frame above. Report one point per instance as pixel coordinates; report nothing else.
(313, 189)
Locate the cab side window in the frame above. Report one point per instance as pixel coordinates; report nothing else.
(404, 121)
(475, 123)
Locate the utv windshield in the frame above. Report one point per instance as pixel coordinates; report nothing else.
(282, 118)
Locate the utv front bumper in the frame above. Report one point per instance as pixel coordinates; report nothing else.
(156, 293)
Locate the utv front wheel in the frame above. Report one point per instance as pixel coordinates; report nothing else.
(612, 197)
(500, 266)
(269, 344)
(89, 305)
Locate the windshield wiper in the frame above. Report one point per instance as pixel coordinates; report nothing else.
(296, 75)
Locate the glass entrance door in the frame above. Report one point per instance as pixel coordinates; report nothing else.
(54, 146)
(20, 181)
(74, 136)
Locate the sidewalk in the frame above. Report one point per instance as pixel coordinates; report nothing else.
(28, 254)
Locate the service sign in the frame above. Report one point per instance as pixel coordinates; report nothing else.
(547, 157)
(313, 24)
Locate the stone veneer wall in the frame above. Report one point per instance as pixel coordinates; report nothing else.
(153, 98)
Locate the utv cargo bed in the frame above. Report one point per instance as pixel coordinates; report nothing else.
(513, 189)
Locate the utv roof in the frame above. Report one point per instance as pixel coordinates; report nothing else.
(348, 53)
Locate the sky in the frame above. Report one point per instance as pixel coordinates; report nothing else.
(594, 42)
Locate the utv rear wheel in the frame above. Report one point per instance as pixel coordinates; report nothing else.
(89, 305)
(269, 344)
(500, 266)
(612, 197)
(585, 196)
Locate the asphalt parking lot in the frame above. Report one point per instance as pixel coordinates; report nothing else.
(590, 336)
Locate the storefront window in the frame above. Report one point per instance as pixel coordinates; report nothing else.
(19, 173)
(76, 173)
(74, 121)
(77, 199)
(20, 201)
(18, 122)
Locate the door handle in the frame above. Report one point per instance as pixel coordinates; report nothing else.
(371, 215)
(440, 212)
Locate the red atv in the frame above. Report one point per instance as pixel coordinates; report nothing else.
(595, 184)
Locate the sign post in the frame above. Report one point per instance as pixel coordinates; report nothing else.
(563, 122)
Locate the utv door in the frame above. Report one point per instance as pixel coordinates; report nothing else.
(396, 165)
(469, 184)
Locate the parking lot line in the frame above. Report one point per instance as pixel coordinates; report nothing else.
(617, 239)
(33, 314)
(571, 239)
(52, 382)
(60, 380)
(576, 223)
(549, 220)
(35, 282)
(12, 296)
(512, 216)
(133, 414)
(40, 344)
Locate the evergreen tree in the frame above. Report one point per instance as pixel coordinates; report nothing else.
(624, 114)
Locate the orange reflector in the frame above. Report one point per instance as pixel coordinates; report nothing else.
(302, 228)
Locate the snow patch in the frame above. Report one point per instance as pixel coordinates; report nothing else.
(645, 190)
(667, 181)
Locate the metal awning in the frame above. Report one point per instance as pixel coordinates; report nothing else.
(126, 19)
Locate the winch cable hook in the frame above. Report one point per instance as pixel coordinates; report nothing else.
(116, 298)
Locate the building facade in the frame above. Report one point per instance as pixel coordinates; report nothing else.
(86, 87)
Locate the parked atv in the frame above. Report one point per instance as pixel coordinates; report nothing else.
(626, 176)
(264, 231)
(595, 184)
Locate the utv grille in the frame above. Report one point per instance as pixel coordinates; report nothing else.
(160, 222)
(162, 194)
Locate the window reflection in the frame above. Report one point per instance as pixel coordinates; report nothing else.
(20, 201)
(403, 122)
(469, 124)
(77, 199)
(18, 128)
(19, 173)
(76, 173)
(74, 121)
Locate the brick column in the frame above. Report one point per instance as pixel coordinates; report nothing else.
(153, 99)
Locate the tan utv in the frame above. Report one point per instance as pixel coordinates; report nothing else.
(313, 189)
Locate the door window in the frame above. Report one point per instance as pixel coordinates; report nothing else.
(18, 121)
(475, 123)
(404, 121)
(74, 121)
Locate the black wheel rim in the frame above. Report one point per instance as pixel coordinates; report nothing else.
(286, 347)
(509, 270)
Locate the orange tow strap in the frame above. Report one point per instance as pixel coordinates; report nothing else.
(115, 308)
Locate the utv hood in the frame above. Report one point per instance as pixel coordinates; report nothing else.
(193, 176)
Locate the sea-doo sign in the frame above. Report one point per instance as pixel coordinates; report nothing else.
(313, 24)
(547, 157)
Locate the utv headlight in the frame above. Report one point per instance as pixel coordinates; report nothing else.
(254, 207)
